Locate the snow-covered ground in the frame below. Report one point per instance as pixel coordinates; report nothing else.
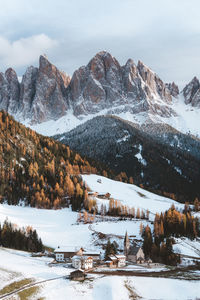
(188, 247)
(59, 227)
(97, 287)
(55, 227)
(129, 194)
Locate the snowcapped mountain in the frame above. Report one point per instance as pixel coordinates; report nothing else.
(51, 102)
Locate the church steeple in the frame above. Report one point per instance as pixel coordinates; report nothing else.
(126, 244)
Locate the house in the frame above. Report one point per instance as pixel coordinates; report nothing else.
(82, 262)
(77, 275)
(115, 261)
(133, 253)
(64, 253)
(121, 260)
(76, 262)
(86, 262)
(93, 254)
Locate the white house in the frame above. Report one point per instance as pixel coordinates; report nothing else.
(76, 262)
(121, 260)
(63, 253)
(82, 262)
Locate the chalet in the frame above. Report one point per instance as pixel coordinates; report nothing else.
(82, 262)
(133, 253)
(115, 261)
(64, 253)
(93, 254)
(77, 275)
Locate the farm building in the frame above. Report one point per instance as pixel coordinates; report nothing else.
(64, 253)
(77, 275)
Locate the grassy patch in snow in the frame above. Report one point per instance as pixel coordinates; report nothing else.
(15, 285)
(29, 292)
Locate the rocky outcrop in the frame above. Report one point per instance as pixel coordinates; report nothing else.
(104, 84)
(49, 101)
(191, 92)
(46, 93)
(173, 89)
(27, 91)
(9, 91)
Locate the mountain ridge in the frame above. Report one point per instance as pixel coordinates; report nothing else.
(45, 93)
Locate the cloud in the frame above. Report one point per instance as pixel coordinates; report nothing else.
(24, 51)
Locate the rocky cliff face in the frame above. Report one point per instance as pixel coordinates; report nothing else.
(46, 93)
(103, 83)
(41, 96)
(9, 91)
(191, 92)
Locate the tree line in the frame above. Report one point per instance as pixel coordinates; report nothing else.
(26, 239)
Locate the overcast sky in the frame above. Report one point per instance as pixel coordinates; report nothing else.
(164, 34)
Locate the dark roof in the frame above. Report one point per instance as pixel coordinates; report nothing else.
(133, 250)
(77, 272)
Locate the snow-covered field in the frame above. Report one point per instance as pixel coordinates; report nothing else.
(59, 227)
(188, 247)
(97, 287)
(129, 194)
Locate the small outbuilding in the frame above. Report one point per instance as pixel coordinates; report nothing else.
(77, 275)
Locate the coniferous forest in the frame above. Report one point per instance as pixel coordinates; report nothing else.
(171, 224)
(37, 170)
(20, 238)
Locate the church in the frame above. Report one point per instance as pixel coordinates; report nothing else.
(133, 253)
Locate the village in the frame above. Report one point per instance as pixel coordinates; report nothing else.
(85, 261)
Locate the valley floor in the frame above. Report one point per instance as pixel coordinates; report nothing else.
(16, 265)
(60, 227)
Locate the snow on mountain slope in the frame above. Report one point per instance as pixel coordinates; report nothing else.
(186, 121)
(59, 228)
(129, 194)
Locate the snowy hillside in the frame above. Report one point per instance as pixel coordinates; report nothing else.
(60, 227)
(129, 194)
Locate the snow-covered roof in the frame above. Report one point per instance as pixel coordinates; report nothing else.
(112, 257)
(82, 257)
(120, 256)
(67, 249)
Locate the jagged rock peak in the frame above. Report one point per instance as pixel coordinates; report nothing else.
(173, 88)
(191, 92)
(105, 59)
(130, 62)
(11, 75)
(9, 91)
